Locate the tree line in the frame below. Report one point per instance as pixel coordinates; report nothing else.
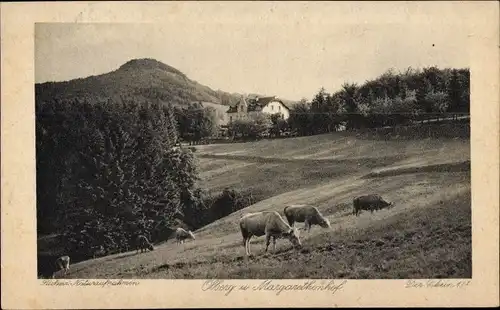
(389, 100)
(392, 99)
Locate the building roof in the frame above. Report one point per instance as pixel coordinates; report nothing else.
(255, 104)
(258, 103)
(286, 106)
(234, 108)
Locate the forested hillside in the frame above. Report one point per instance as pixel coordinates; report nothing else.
(138, 78)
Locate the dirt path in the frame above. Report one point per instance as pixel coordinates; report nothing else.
(367, 161)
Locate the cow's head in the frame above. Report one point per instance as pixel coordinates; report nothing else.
(191, 235)
(151, 247)
(324, 222)
(293, 236)
(390, 205)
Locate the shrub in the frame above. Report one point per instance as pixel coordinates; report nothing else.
(230, 201)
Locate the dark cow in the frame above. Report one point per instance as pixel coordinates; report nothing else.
(143, 244)
(306, 214)
(370, 203)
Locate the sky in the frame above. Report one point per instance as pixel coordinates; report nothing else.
(290, 52)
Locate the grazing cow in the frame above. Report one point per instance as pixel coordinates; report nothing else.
(309, 215)
(100, 251)
(62, 263)
(267, 223)
(369, 202)
(143, 244)
(181, 235)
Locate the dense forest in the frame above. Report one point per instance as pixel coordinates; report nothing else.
(389, 100)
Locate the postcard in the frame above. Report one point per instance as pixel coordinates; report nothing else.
(249, 154)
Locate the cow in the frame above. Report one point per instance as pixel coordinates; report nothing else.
(269, 223)
(309, 215)
(369, 202)
(99, 251)
(62, 263)
(143, 244)
(181, 235)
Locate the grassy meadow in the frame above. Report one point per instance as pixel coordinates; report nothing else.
(426, 235)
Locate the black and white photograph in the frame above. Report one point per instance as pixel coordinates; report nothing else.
(158, 157)
(283, 145)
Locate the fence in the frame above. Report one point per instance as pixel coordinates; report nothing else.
(448, 129)
(430, 128)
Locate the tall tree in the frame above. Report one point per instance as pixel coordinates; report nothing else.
(349, 93)
(300, 119)
(424, 106)
(454, 92)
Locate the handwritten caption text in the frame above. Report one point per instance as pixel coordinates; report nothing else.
(79, 282)
(437, 283)
(269, 285)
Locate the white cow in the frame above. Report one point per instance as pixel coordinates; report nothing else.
(306, 214)
(62, 263)
(181, 235)
(269, 223)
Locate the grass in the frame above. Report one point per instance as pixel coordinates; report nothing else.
(426, 235)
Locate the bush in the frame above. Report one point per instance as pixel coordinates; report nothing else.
(213, 207)
(256, 126)
(196, 123)
(230, 201)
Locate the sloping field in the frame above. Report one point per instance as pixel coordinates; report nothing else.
(427, 233)
(273, 167)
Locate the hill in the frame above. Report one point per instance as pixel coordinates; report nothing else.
(427, 234)
(143, 78)
(146, 78)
